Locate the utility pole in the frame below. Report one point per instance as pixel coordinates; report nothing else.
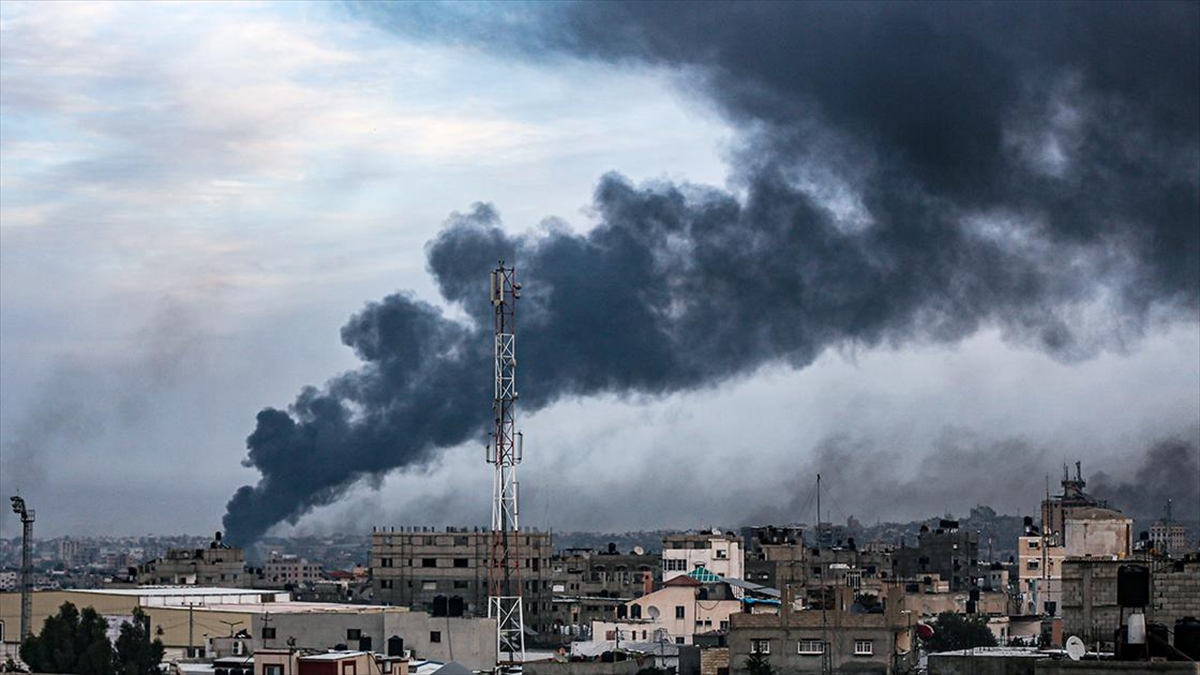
(18, 507)
(504, 453)
(191, 651)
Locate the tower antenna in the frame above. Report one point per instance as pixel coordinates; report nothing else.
(504, 453)
(18, 507)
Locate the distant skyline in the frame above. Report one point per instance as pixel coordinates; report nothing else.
(951, 257)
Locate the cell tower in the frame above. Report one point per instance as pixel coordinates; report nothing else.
(18, 507)
(504, 454)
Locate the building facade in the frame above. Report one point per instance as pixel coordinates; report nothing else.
(414, 567)
(719, 553)
(217, 565)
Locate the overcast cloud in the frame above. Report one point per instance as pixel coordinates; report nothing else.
(932, 269)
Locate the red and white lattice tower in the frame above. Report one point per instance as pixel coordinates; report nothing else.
(504, 453)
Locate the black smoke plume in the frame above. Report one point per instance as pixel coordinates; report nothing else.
(1170, 469)
(906, 172)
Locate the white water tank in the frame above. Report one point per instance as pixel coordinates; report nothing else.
(1136, 627)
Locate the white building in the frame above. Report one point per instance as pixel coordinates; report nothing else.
(719, 553)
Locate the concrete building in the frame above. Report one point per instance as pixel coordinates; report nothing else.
(719, 553)
(1098, 532)
(1168, 537)
(1056, 510)
(587, 586)
(834, 638)
(338, 662)
(185, 618)
(217, 565)
(1039, 568)
(413, 567)
(773, 554)
(1090, 609)
(284, 569)
(947, 551)
(678, 611)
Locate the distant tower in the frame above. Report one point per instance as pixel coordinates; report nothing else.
(504, 453)
(18, 507)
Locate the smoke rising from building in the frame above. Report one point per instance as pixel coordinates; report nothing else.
(905, 173)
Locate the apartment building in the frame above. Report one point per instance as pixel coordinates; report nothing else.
(719, 553)
(424, 567)
(217, 565)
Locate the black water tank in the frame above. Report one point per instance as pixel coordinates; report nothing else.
(1187, 636)
(1133, 585)
(440, 605)
(971, 607)
(455, 606)
(1159, 638)
(395, 646)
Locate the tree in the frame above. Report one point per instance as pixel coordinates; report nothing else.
(759, 664)
(71, 641)
(956, 631)
(136, 654)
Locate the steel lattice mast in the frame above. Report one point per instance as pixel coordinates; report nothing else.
(504, 453)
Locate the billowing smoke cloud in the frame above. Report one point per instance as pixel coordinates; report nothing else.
(1170, 470)
(906, 172)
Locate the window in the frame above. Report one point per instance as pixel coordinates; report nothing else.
(760, 646)
(353, 633)
(673, 565)
(678, 640)
(460, 583)
(268, 633)
(428, 562)
(722, 554)
(273, 669)
(385, 583)
(863, 648)
(429, 585)
(1033, 544)
(1031, 565)
(435, 636)
(460, 562)
(679, 611)
(385, 562)
(810, 647)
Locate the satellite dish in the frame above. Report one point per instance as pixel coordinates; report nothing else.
(1075, 648)
(638, 550)
(653, 612)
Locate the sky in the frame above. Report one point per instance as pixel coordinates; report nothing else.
(931, 252)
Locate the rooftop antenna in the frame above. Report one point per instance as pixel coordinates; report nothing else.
(18, 507)
(504, 453)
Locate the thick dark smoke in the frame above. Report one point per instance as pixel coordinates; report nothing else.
(906, 172)
(1170, 469)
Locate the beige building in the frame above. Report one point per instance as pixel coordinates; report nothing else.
(1098, 532)
(284, 569)
(834, 639)
(678, 611)
(719, 553)
(217, 565)
(1039, 565)
(186, 618)
(1169, 538)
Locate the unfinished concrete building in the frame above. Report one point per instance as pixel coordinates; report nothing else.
(445, 572)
